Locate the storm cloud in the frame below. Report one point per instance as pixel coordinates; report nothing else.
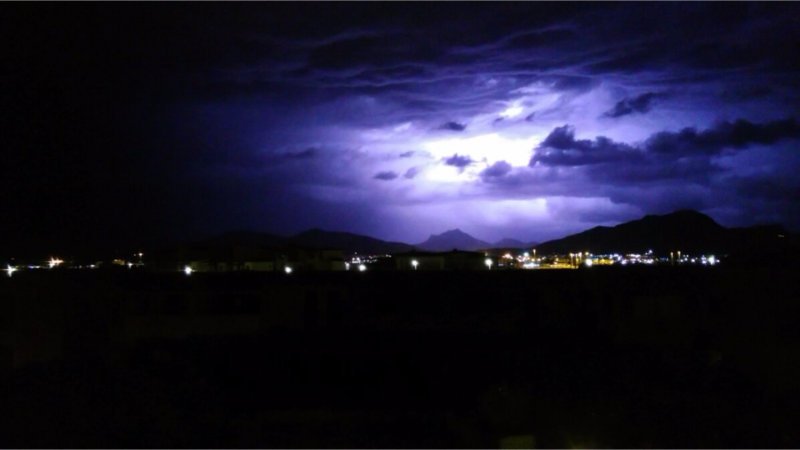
(639, 104)
(557, 116)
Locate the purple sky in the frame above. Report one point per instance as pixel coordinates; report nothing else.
(528, 121)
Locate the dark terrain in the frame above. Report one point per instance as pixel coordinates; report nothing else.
(622, 357)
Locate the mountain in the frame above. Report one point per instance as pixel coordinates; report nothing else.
(513, 243)
(453, 239)
(349, 242)
(685, 230)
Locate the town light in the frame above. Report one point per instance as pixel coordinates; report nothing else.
(414, 263)
(588, 262)
(362, 268)
(187, 270)
(488, 263)
(54, 262)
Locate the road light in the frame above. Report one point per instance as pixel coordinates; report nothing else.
(414, 263)
(488, 263)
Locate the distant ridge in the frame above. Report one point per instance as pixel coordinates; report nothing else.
(684, 230)
(348, 242)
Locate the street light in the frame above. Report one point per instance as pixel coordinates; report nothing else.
(362, 268)
(488, 263)
(187, 270)
(287, 269)
(414, 263)
(10, 270)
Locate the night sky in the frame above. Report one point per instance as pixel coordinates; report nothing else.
(128, 124)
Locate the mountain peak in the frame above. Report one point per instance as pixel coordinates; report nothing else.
(453, 239)
(453, 232)
(684, 229)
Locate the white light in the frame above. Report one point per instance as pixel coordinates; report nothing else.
(287, 269)
(712, 260)
(54, 262)
(493, 147)
(488, 263)
(10, 270)
(347, 266)
(188, 270)
(588, 262)
(362, 268)
(414, 263)
(130, 265)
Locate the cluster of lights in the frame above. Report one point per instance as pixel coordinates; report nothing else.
(54, 262)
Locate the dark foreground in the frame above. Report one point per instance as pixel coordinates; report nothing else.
(651, 357)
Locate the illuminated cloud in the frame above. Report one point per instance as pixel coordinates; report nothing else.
(379, 118)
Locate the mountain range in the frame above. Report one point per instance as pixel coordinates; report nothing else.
(685, 230)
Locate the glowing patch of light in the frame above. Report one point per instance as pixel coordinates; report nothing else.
(414, 263)
(188, 270)
(54, 262)
(511, 112)
(488, 263)
(485, 149)
(287, 269)
(10, 269)
(362, 268)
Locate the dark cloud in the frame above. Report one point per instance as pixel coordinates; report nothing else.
(458, 161)
(453, 126)
(498, 169)
(407, 154)
(385, 176)
(721, 136)
(411, 173)
(639, 104)
(560, 148)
